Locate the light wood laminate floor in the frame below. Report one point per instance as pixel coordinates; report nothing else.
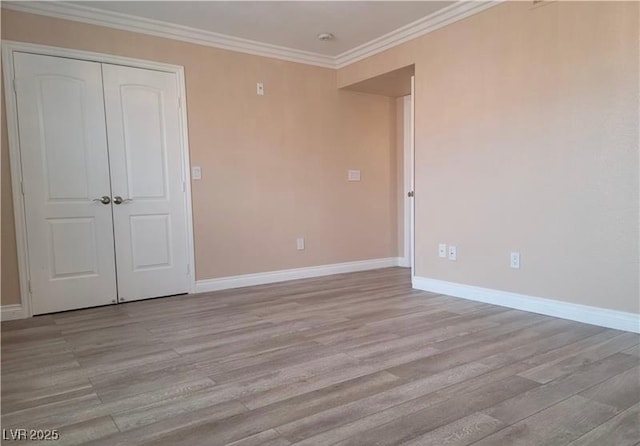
(352, 359)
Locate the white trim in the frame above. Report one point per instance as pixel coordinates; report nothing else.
(441, 18)
(126, 22)
(16, 177)
(412, 154)
(407, 183)
(12, 312)
(8, 48)
(94, 16)
(225, 283)
(186, 178)
(582, 313)
(70, 53)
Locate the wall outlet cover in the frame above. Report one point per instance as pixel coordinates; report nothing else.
(453, 253)
(514, 260)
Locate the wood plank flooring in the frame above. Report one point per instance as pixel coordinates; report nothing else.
(351, 359)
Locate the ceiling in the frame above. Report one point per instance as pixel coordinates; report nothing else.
(285, 30)
(291, 24)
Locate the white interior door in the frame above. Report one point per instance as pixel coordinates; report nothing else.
(408, 181)
(65, 167)
(410, 172)
(143, 127)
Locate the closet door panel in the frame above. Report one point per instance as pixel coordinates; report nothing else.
(65, 167)
(143, 127)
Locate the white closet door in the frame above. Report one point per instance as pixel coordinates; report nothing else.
(65, 167)
(143, 127)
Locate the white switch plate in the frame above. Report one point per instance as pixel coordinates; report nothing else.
(300, 244)
(453, 253)
(260, 89)
(196, 172)
(353, 175)
(442, 250)
(515, 260)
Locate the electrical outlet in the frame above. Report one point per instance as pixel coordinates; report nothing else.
(453, 253)
(515, 260)
(442, 250)
(300, 244)
(196, 173)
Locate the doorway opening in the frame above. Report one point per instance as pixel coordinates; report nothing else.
(399, 84)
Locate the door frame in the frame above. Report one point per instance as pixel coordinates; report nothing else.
(412, 167)
(407, 185)
(8, 49)
(408, 210)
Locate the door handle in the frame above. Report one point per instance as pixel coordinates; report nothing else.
(410, 194)
(104, 200)
(119, 200)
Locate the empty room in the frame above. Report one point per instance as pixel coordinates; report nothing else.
(273, 223)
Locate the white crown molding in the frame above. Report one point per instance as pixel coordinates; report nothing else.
(12, 312)
(125, 22)
(603, 317)
(425, 25)
(225, 283)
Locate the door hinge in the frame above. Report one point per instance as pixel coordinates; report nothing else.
(184, 186)
(29, 285)
(179, 103)
(15, 89)
(22, 188)
(188, 269)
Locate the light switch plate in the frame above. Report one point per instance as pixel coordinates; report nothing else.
(442, 250)
(196, 173)
(260, 89)
(300, 244)
(353, 175)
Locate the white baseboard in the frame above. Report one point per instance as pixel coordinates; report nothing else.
(12, 312)
(581, 313)
(404, 262)
(225, 283)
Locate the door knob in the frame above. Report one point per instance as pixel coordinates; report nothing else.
(119, 200)
(104, 200)
(410, 194)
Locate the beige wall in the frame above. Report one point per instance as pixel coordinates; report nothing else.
(527, 140)
(273, 168)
